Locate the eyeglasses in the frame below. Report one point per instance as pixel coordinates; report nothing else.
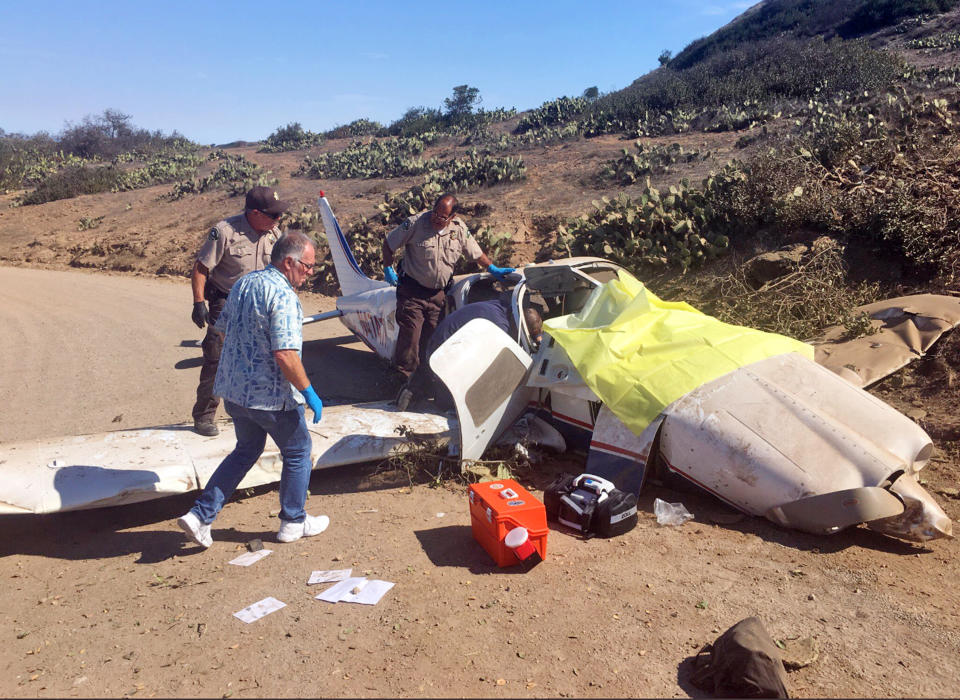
(443, 219)
(274, 217)
(307, 268)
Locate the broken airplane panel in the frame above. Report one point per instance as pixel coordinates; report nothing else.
(904, 329)
(129, 466)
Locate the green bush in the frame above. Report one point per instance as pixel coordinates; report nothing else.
(934, 78)
(23, 163)
(652, 160)
(392, 157)
(111, 133)
(879, 175)
(358, 127)
(771, 20)
(234, 173)
(291, 137)
(416, 121)
(746, 115)
(942, 42)
(490, 142)
(160, 169)
(657, 230)
(477, 169)
(876, 14)
(73, 181)
(87, 223)
(552, 113)
(455, 175)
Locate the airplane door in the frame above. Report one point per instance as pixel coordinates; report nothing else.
(484, 370)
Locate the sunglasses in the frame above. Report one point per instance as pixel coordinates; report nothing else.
(274, 217)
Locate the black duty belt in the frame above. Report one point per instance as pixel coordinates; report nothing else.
(212, 291)
(408, 281)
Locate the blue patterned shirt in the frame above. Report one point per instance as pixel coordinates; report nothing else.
(262, 314)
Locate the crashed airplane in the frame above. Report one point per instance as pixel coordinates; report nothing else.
(779, 436)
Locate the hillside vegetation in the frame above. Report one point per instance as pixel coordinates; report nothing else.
(799, 120)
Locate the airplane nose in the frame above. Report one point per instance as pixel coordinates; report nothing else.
(922, 518)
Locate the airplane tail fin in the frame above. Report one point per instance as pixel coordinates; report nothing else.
(349, 275)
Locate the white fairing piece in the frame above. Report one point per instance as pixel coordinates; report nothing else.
(483, 369)
(129, 466)
(771, 434)
(372, 316)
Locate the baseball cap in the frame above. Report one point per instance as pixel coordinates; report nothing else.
(266, 200)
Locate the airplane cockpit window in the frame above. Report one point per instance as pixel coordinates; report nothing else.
(601, 273)
(564, 289)
(486, 289)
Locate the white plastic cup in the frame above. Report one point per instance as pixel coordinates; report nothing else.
(518, 539)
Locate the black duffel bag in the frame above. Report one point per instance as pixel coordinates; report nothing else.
(591, 505)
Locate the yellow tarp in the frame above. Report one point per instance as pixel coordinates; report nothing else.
(639, 353)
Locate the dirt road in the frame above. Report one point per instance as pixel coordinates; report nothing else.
(114, 602)
(86, 353)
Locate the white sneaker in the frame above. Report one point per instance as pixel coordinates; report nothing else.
(196, 530)
(313, 525)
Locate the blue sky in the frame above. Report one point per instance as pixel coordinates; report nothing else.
(219, 72)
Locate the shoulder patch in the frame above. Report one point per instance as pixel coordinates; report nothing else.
(214, 234)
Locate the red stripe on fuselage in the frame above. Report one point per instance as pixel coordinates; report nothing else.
(617, 450)
(574, 421)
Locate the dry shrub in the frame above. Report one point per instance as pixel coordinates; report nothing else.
(800, 304)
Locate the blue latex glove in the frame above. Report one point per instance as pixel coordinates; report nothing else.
(500, 272)
(390, 275)
(314, 402)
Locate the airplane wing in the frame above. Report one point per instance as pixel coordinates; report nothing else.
(129, 466)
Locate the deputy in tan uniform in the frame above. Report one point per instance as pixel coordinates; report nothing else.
(433, 243)
(234, 247)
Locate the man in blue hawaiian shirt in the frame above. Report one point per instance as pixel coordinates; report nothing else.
(264, 386)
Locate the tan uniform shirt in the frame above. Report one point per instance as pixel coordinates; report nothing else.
(233, 249)
(429, 257)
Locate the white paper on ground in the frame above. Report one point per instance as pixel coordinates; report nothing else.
(248, 558)
(369, 593)
(337, 591)
(329, 576)
(254, 612)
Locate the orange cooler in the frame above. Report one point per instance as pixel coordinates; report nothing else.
(497, 507)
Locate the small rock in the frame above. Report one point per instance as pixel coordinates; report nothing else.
(797, 653)
(916, 414)
(811, 597)
(255, 545)
(766, 267)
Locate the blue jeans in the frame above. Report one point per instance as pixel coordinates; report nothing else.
(289, 430)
